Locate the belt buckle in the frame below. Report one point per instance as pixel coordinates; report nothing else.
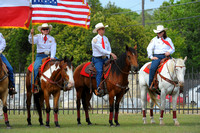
(103, 57)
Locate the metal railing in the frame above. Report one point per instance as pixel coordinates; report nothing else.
(189, 100)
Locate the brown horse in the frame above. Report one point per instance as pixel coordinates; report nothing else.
(57, 75)
(4, 81)
(116, 82)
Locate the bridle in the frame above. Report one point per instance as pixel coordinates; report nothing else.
(175, 83)
(58, 81)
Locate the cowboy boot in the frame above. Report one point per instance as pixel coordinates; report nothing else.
(12, 91)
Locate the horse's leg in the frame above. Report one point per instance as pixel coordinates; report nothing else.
(4, 100)
(41, 106)
(174, 103)
(78, 104)
(143, 101)
(86, 103)
(118, 99)
(28, 105)
(56, 98)
(48, 109)
(111, 104)
(151, 112)
(162, 106)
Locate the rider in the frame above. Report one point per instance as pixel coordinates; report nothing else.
(101, 51)
(160, 47)
(46, 45)
(10, 69)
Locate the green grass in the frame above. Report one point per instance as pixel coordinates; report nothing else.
(129, 123)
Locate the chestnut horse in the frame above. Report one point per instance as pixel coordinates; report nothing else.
(116, 82)
(57, 75)
(4, 91)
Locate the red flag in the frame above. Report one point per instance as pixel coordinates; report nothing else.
(15, 14)
(69, 12)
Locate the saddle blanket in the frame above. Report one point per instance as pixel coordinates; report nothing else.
(87, 74)
(30, 68)
(147, 68)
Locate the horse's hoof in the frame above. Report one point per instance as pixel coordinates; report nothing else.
(176, 123)
(29, 124)
(47, 126)
(8, 127)
(57, 126)
(153, 122)
(111, 125)
(162, 124)
(89, 123)
(117, 125)
(79, 124)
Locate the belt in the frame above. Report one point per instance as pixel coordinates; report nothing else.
(41, 53)
(101, 57)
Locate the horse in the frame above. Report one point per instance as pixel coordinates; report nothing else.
(116, 84)
(57, 75)
(171, 81)
(4, 81)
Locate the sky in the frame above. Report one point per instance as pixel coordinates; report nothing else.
(134, 5)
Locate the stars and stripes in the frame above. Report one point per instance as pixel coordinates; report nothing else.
(15, 14)
(69, 12)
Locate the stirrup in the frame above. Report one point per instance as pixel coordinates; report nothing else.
(12, 91)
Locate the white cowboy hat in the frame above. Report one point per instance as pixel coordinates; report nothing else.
(99, 26)
(45, 25)
(159, 29)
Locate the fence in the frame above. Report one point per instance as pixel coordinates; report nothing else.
(188, 101)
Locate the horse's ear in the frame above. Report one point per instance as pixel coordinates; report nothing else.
(72, 58)
(185, 58)
(127, 47)
(173, 59)
(135, 47)
(65, 59)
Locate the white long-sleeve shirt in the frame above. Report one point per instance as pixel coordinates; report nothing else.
(97, 49)
(42, 46)
(2, 42)
(157, 46)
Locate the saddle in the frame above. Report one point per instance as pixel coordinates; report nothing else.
(155, 80)
(90, 71)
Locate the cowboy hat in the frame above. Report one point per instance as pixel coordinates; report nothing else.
(159, 29)
(99, 26)
(45, 25)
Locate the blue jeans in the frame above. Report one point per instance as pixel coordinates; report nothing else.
(154, 66)
(38, 62)
(10, 70)
(98, 63)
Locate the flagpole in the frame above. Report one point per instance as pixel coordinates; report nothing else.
(32, 61)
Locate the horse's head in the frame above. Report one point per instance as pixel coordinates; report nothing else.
(132, 57)
(180, 70)
(67, 73)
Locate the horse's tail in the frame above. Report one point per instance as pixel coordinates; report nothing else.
(85, 100)
(37, 102)
(153, 97)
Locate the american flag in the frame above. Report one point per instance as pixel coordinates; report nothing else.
(69, 12)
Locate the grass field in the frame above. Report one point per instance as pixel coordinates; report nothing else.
(129, 123)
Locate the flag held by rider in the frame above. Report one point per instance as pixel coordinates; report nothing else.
(15, 14)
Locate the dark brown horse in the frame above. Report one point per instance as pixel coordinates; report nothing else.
(4, 90)
(117, 82)
(57, 75)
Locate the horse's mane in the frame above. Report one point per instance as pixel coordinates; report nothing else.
(178, 62)
(121, 62)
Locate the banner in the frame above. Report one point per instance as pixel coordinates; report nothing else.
(15, 14)
(68, 12)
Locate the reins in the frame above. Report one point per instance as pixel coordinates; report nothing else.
(5, 75)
